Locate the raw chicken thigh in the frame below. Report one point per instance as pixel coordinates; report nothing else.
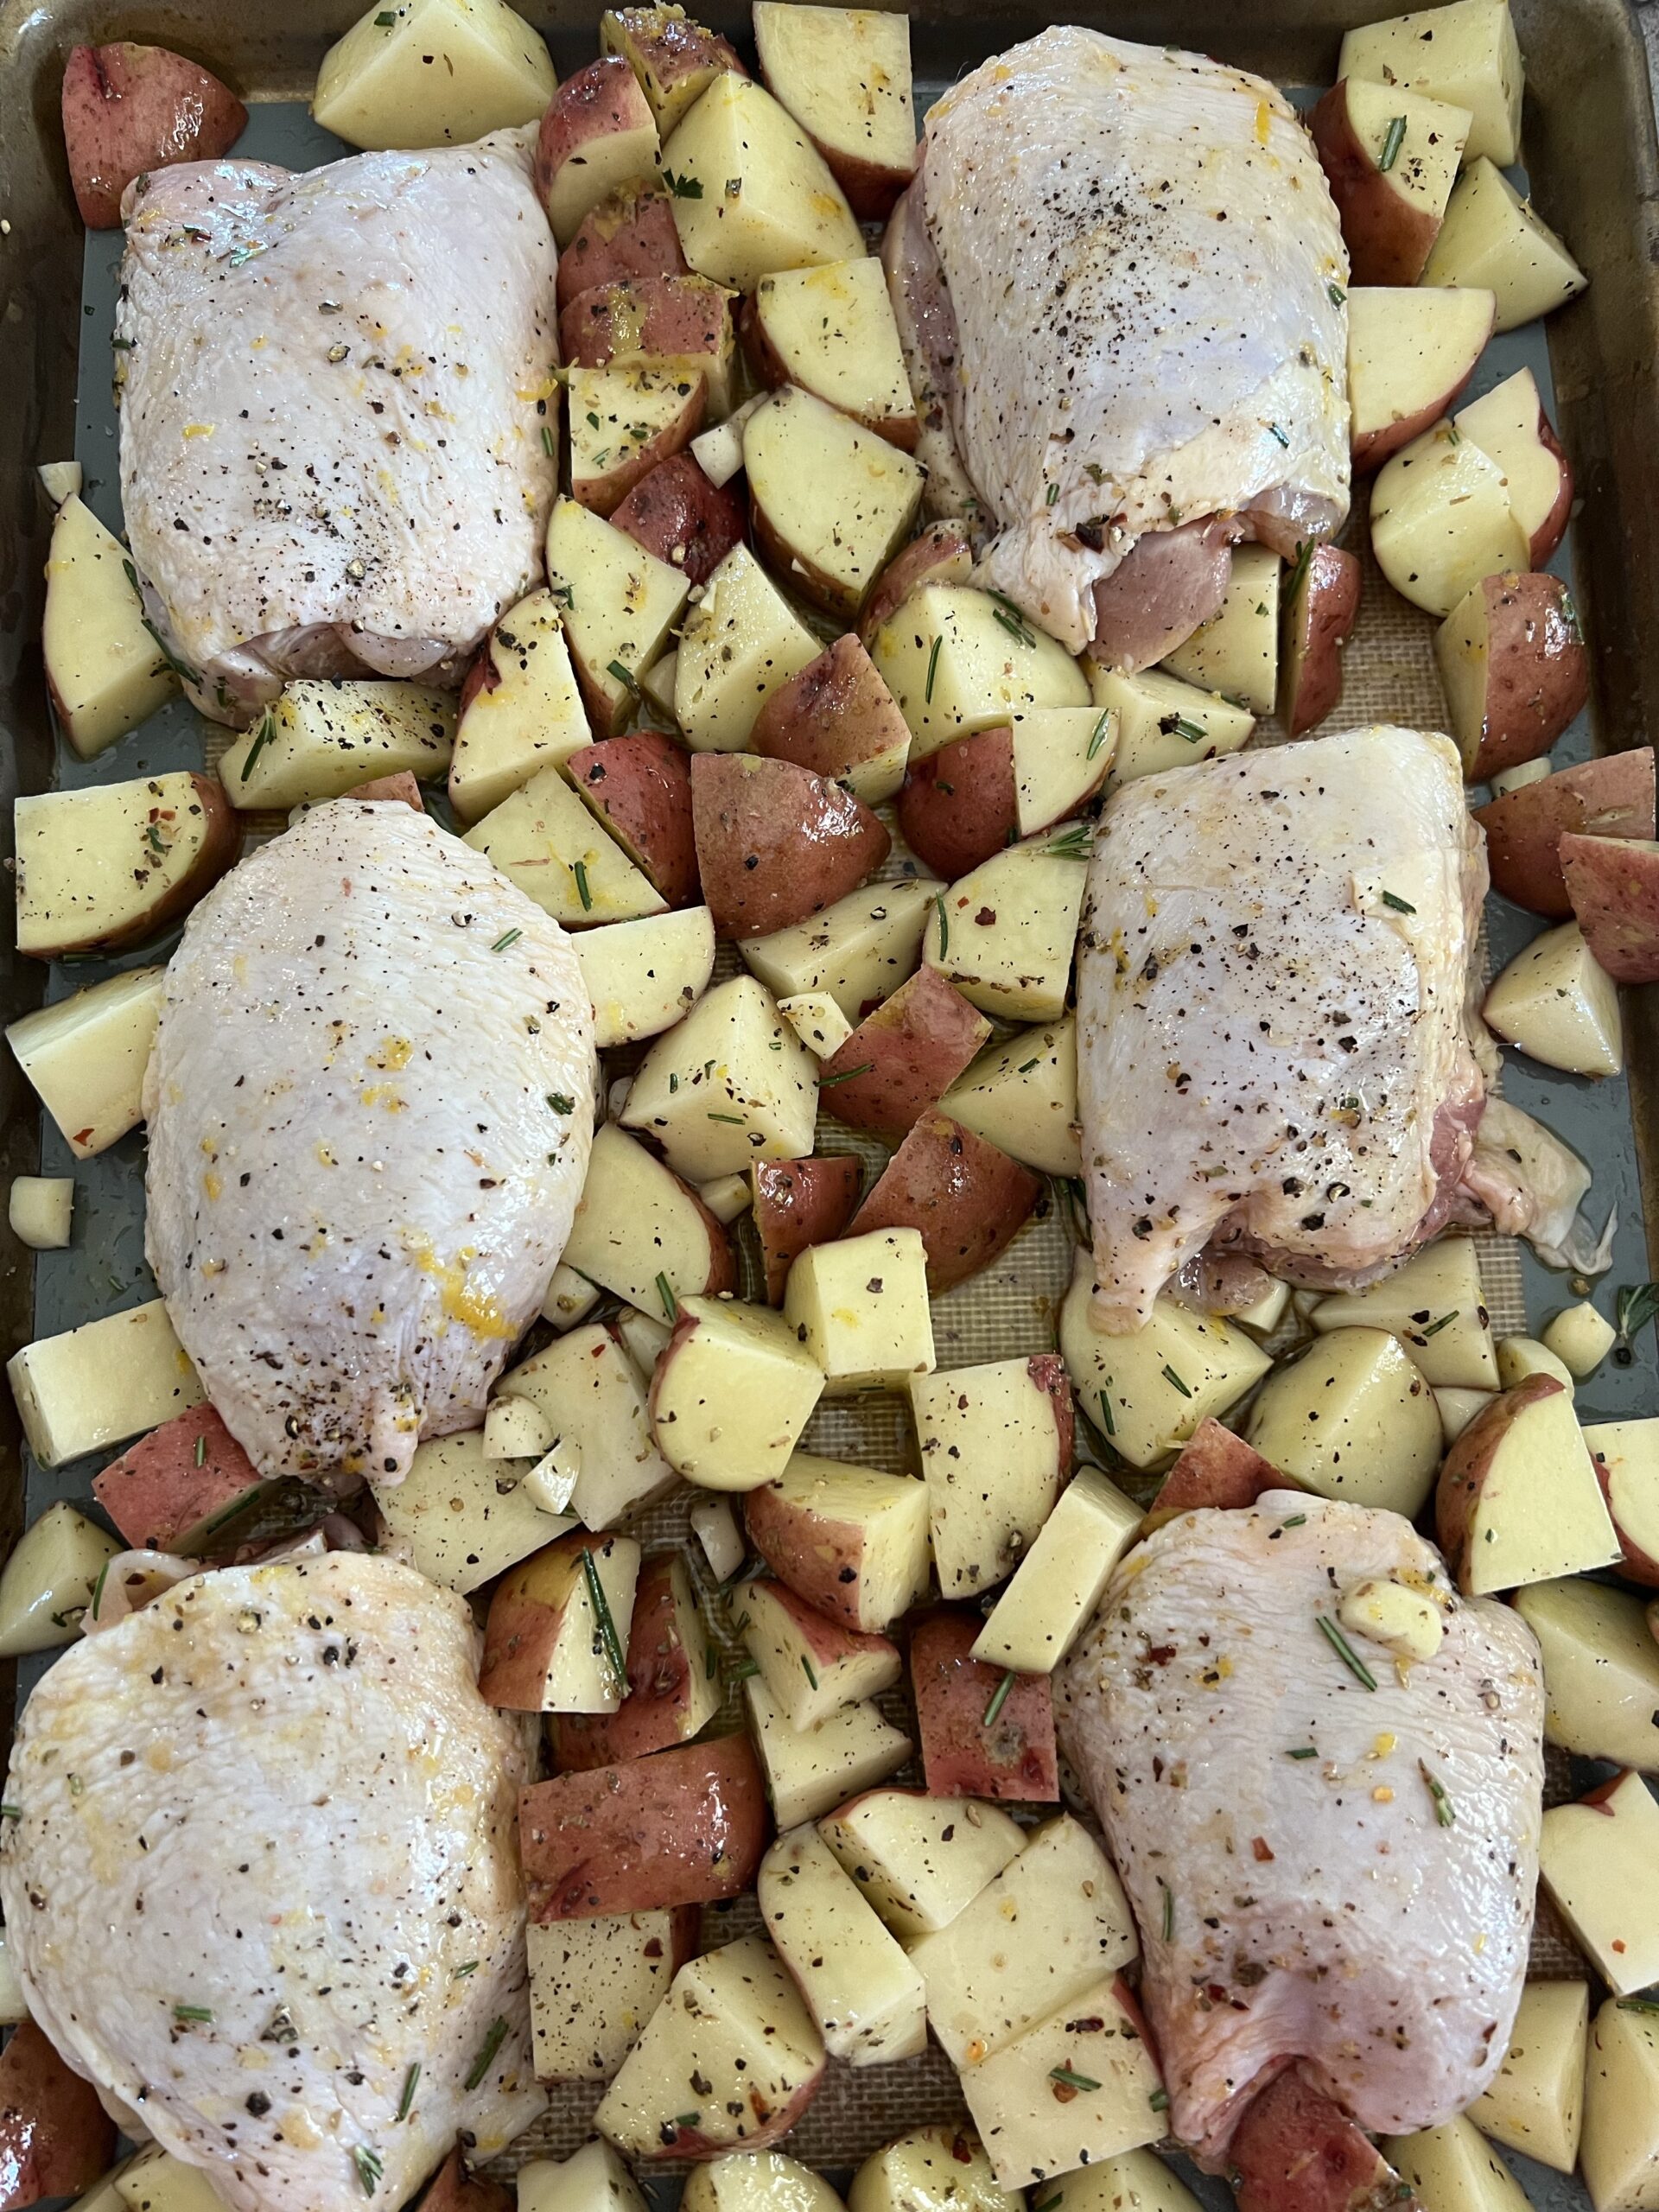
(1276, 1050)
(1120, 280)
(1321, 1869)
(370, 1104)
(335, 390)
(264, 1825)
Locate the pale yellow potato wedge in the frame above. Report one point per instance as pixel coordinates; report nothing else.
(324, 736)
(107, 865)
(787, 211)
(1236, 652)
(100, 1383)
(544, 840)
(433, 73)
(105, 670)
(48, 1582)
(1352, 1418)
(85, 1056)
(521, 708)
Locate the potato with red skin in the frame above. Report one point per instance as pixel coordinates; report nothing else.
(598, 132)
(1296, 2151)
(676, 514)
(452, 2189)
(645, 419)
(682, 1827)
(812, 1665)
(1013, 1755)
(1409, 356)
(168, 1492)
(1614, 883)
(1390, 190)
(902, 1059)
(961, 805)
(631, 232)
(675, 58)
(1610, 797)
(402, 787)
(654, 322)
(1320, 609)
(662, 1705)
(797, 1203)
(967, 1198)
(640, 787)
(1218, 1469)
(940, 554)
(775, 842)
(1513, 666)
(836, 717)
(850, 1541)
(128, 108)
(1510, 427)
(55, 2137)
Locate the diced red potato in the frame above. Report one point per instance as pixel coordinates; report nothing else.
(678, 515)
(960, 804)
(851, 1540)
(1320, 609)
(544, 1649)
(402, 787)
(647, 417)
(669, 1688)
(452, 2189)
(797, 1203)
(836, 717)
(1614, 883)
(1513, 663)
(641, 788)
(938, 555)
(1509, 425)
(675, 58)
(984, 1732)
(1610, 797)
(902, 1059)
(1218, 1468)
(683, 1826)
(55, 2137)
(1296, 2151)
(654, 322)
(129, 108)
(631, 232)
(812, 1665)
(844, 75)
(597, 133)
(1391, 174)
(967, 1198)
(775, 842)
(175, 1488)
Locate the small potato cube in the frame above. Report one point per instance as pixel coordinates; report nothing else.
(325, 735)
(1518, 1500)
(860, 1307)
(515, 1429)
(1621, 2110)
(1077, 2087)
(104, 669)
(1559, 1006)
(521, 708)
(556, 1638)
(547, 842)
(1352, 1418)
(1022, 1096)
(674, 58)
(594, 1984)
(1534, 2102)
(995, 1448)
(1058, 1583)
(38, 1209)
(1580, 1338)
(155, 2181)
(817, 1021)
(731, 1394)
(983, 1733)
(741, 641)
(433, 73)
(1520, 1356)
(856, 952)
(673, 1689)
(1406, 1622)
(104, 1382)
(957, 660)
(810, 1664)
(1601, 1669)
(1492, 237)
(831, 331)
(594, 2180)
(1135, 2181)
(1038, 1934)
(618, 603)
(756, 2181)
(644, 976)
(1434, 1304)
(864, 1993)
(1004, 934)
(1465, 52)
(590, 1393)
(810, 1769)
(920, 1860)
(714, 1526)
(766, 201)
(1236, 652)
(623, 422)
(642, 1233)
(932, 2166)
(46, 1584)
(1599, 1861)
(1453, 2168)
(1148, 1392)
(451, 1518)
(1164, 723)
(851, 1541)
(831, 502)
(730, 1085)
(86, 1055)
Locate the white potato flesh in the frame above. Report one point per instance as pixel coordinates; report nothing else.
(854, 952)
(1353, 1418)
(451, 1517)
(591, 1395)
(1037, 1936)
(729, 1085)
(844, 74)
(810, 1769)
(993, 1459)
(864, 1993)
(1441, 520)
(96, 1385)
(1580, 1338)
(719, 452)
(956, 659)
(1559, 1006)
(1504, 422)
(324, 736)
(1626, 1455)
(787, 211)
(155, 2181)
(1005, 933)
(921, 1861)
(1601, 1669)
(833, 331)
(1599, 1862)
(833, 502)
(741, 641)
(1410, 349)
(85, 1057)
(433, 73)
(1057, 1584)
(1620, 2151)
(1124, 1383)
(570, 1297)
(756, 2181)
(1453, 2168)
(1163, 723)
(618, 602)
(817, 1021)
(105, 669)
(48, 1582)
(1466, 52)
(594, 2180)
(714, 1526)
(870, 1527)
(1538, 1511)
(1236, 652)
(810, 1665)
(514, 1428)
(617, 414)
(930, 2169)
(1434, 1304)
(645, 975)
(530, 717)
(1519, 1357)
(40, 1209)
(111, 862)
(1091, 2049)
(1492, 237)
(859, 1306)
(1134, 2181)
(547, 1621)
(1022, 1096)
(544, 840)
(638, 1227)
(594, 1984)
(1061, 758)
(1534, 2102)
(1528, 771)
(60, 480)
(732, 1394)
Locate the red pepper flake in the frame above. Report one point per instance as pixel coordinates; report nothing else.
(1260, 1849)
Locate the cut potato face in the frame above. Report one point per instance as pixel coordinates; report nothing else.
(1057, 1584)
(1353, 1418)
(844, 74)
(623, 422)
(1621, 2109)
(864, 1993)
(1436, 1307)
(860, 1307)
(714, 1526)
(1599, 1861)
(1491, 238)
(851, 1541)
(324, 736)
(831, 332)
(920, 1860)
(618, 603)
(591, 1395)
(1559, 1006)
(86, 1055)
(546, 1648)
(1022, 1096)
(1236, 652)
(732, 1084)
(1077, 2087)
(1441, 520)
(731, 1394)
(102, 866)
(995, 1448)
(1626, 1457)
(594, 1983)
(552, 847)
(817, 1021)
(1390, 158)
(46, 1584)
(39, 1210)
(1601, 1670)
(1123, 1383)
(856, 952)
(644, 976)
(1518, 1500)
(640, 1232)
(105, 669)
(1410, 353)
(433, 73)
(1510, 427)
(1515, 671)
(457, 1517)
(787, 212)
(831, 502)
(1164, 723)
(809, 1663)
(756, 2181)
(931, 2167)
(1465, 52)
(1453, 2166)
(521, 708)
(594, 2180)
(1005, 933)
(100, 1383)
(741, 642)
(1534, 2102)
(598, 135)
(674, 58)
(956, 659)
(1580, 1338)
(810, 1769)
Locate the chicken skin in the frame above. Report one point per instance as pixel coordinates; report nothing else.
(263, 1886)
(1331, 1850)
(1120, 281)
(1276, 1051)
(371, 1103)
(337, 392)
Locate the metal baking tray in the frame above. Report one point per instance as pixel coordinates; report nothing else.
(1594, 167)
